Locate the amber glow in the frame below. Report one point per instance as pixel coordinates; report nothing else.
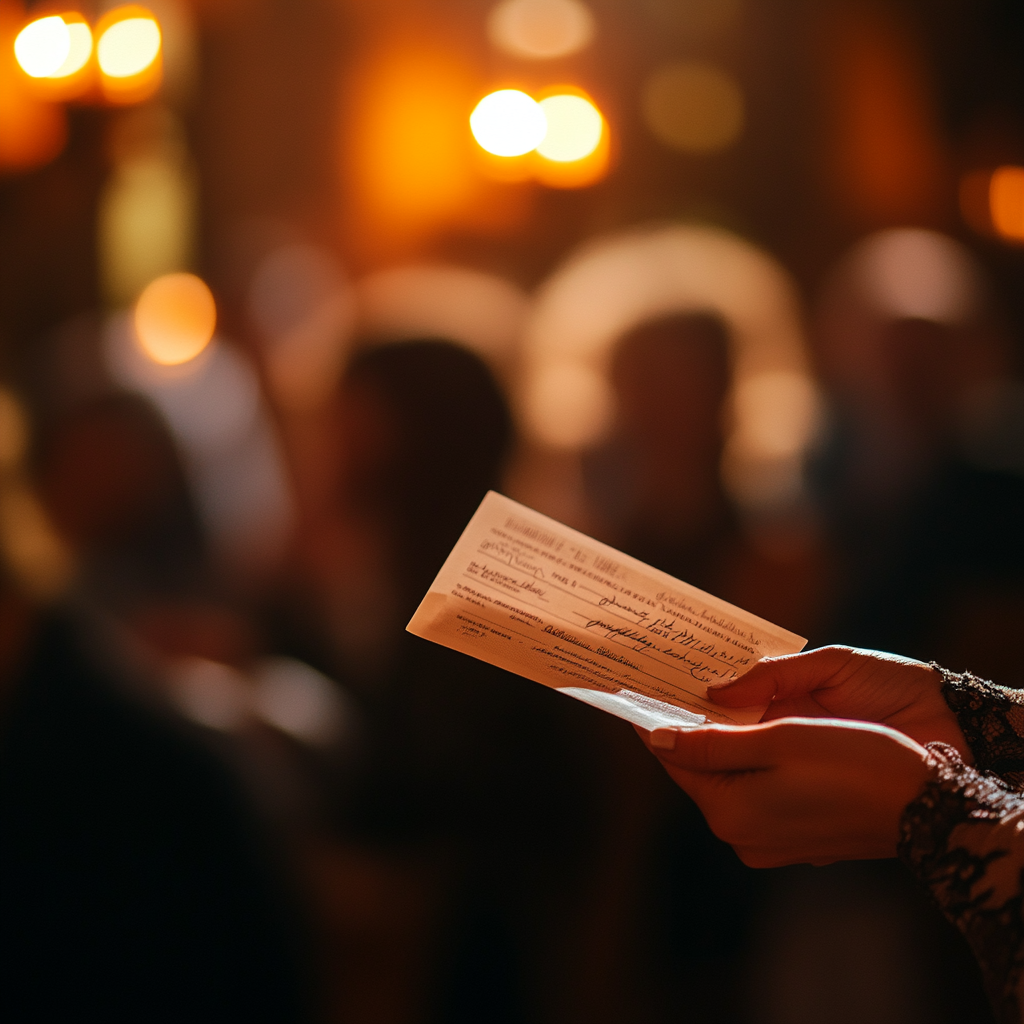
(128, 52)
(403, 135)
(561, 141)
(175, 317)
(128, 46)
(574, 128)
(75, 77)
(693, 106)
(32, 132)
(1006, 202)
(43, 46)
(540, 29)
(886, 156)
(80, 49)
(508, 123)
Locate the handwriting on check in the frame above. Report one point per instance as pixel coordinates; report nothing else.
(528, 594)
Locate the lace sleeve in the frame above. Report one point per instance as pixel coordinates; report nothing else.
(964, 838)
(992, 720)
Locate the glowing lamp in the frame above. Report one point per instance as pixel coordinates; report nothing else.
(79, 50)
(129, 46)
(175, 317)
(508, 123)
(574, 130)
(128, 52)
(42, 46)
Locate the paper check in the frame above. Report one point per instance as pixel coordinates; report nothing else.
(530, 595)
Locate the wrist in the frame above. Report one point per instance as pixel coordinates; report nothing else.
(919, 767)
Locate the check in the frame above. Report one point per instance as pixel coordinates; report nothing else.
(530, 595)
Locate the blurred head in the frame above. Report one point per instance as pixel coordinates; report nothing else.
(907, 330)
(112, 481)
(424, 432)
(670, 377)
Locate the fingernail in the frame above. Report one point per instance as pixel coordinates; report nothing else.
(664, 739)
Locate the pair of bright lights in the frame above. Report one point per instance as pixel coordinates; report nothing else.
(562, 128)
(58, 46)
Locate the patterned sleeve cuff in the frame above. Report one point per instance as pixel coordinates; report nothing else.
(955, 794)
(959, 837)
(991, 718)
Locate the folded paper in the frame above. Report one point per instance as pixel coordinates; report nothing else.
(537, 598)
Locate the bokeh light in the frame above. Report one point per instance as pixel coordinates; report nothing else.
(912, 273)
(32, 130)
(612, 284)
(508, 123)
(130, 44)
(568, 404)
(540, 29)
(175, 317)
(574, 128)
(1006, 202)
(303, 308)
(80, 50)
(777, 411)
(693, 106)
(43, 46)
(300, 701)
(147, 211)
(482, 311)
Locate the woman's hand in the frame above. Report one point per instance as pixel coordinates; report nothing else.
(844, 682)
(797, 790)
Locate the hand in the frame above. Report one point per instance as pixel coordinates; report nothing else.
(844, 682)
(797, 790)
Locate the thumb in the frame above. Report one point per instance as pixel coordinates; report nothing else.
(781, 678)
(715, 748)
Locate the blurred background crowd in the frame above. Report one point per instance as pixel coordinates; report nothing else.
(736, 286)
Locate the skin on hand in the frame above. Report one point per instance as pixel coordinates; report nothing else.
(797, 790)
(844, 682)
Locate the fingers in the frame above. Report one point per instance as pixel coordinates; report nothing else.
(714, 748)
(747, 748)
(782, 678)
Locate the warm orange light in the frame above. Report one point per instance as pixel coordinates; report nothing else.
(540, 29)
(576, 151)
(128, 52)
(32, 132)
(508, 123)
(405, 138)
(80, 49)
(175, 317)
(76, 74)
(574, 130)
(43, 46)
(129, 46)
(1006, 202)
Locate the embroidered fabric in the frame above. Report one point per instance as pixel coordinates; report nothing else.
(964, 834)
(992, 720)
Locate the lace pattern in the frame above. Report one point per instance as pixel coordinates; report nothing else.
(964, 837)
(992, 720)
